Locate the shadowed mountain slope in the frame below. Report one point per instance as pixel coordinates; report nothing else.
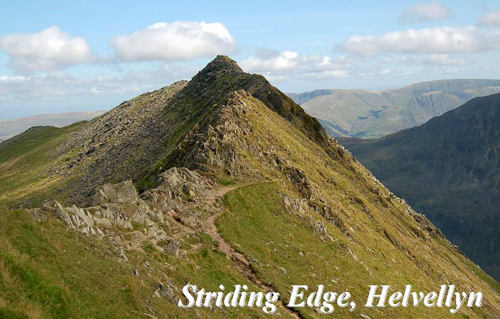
(449, 169)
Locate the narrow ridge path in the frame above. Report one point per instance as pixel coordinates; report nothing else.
(239, 259)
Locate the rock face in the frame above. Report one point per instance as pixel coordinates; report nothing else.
(122, 144)
(74, 217)
(120, 193)
(449, 169)
(365, 114)
(119, 212)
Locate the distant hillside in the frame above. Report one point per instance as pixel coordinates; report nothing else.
(448, 169)
(300, 98)
(366, 114)
(9, 128)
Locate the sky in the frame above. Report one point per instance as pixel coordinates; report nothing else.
(82, 55)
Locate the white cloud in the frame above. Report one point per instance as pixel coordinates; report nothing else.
(39, 86)
(49, 49)
(61, 84)
(427, 11)
(491, 19)
(180, 40)
(429, 40)
(281, 66)
(432, 59)
(372, 73)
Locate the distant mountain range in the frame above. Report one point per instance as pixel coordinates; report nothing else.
(448, 169)
(10, 128)
(365, 114)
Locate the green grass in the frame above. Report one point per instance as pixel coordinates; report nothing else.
(39, 289)
(48, 272)
(24, 161)
(257, 225)
(136, 225)
(6, 313)
(52, 273)
(226, 181)
(148, 247)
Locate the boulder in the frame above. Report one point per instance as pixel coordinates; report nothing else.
(173, 247)
(123, 192)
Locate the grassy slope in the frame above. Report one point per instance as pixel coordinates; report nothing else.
(47, 272)
(24, 161)
(258, 226)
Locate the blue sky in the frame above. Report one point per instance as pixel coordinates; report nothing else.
(62, 56)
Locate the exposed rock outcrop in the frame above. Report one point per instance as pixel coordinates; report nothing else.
(130, 220)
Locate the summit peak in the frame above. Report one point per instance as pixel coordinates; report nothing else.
(222, 63)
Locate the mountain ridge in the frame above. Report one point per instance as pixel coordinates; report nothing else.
(180, 106)
(245, 189)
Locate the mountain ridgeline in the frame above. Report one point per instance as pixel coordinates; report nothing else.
(366, 114)
(219, 180)
(168, 114)
(449, 169)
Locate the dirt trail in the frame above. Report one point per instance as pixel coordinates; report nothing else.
(239, 259)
